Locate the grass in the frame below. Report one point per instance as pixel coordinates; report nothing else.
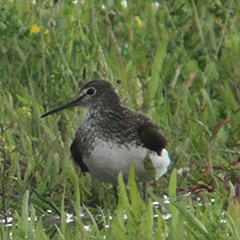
(178, 62)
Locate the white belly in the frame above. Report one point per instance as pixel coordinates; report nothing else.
(108, 160)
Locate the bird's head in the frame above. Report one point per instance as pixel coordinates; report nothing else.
(94, 94)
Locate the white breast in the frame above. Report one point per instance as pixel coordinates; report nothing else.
(107, 160)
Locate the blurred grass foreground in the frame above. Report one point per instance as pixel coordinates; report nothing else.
(178, 62)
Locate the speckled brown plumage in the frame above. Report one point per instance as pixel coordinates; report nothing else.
(118, 131)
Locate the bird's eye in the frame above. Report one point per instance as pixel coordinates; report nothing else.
(91, 91)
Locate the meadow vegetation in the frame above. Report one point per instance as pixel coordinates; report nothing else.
(178, 62)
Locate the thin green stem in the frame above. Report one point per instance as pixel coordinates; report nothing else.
(4, 172)
(42, 48)
(224, 29)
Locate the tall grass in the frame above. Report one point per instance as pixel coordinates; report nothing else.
(178, 62)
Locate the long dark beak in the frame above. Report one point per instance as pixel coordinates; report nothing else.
(74, 103)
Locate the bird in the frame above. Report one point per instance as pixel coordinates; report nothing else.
(112, 137)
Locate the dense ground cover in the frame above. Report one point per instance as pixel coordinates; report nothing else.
(178, 62)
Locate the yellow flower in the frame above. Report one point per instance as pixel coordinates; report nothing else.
(47, 31)
(27, 111)
(35, 29)
(139, 22)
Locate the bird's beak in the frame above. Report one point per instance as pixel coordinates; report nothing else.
(74, 103)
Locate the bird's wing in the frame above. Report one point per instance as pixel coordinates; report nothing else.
(151, 136)
(77, 156)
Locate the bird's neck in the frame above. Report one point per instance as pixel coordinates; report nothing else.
(101, 111)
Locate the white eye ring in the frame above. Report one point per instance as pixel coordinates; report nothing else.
(91, 91)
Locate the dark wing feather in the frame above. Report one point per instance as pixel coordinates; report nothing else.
(77, 156)
(151, 136)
